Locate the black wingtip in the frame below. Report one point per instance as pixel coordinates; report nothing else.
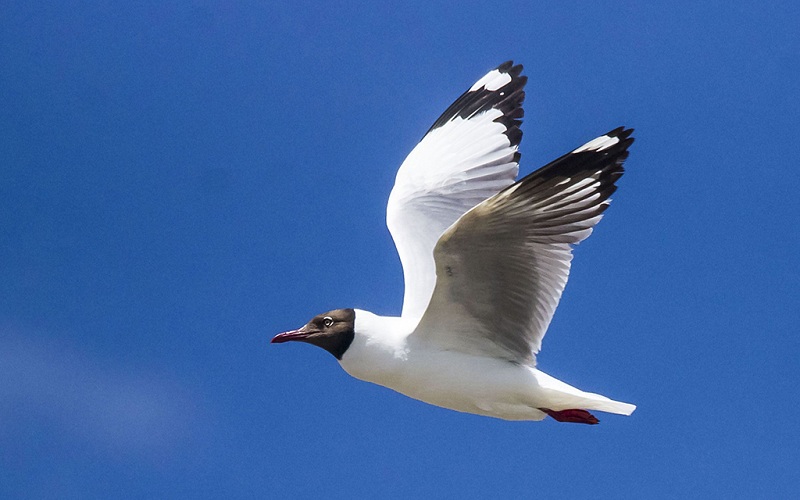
(514, 134)
(504, 67)
(510, 68)
(621, 133)
(594, 156)
(508, 98)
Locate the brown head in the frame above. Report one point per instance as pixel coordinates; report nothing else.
(332, 331)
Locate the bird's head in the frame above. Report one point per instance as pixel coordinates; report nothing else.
(333, 331)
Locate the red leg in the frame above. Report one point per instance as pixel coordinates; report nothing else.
(575, 416)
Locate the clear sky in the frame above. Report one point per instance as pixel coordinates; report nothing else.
(180, 181)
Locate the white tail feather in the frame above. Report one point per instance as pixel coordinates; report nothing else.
(563, 396)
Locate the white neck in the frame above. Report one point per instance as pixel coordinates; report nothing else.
(379, 343)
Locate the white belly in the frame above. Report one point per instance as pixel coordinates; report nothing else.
(456, 381)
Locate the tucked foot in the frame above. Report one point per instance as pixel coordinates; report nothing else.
(575, 416)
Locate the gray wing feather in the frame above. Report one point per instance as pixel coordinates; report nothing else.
(501, 268)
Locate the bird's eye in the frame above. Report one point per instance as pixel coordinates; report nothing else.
(327, 321)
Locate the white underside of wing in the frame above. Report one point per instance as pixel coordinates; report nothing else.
(451, 170)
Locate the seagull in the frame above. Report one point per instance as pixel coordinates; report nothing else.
(485, 260)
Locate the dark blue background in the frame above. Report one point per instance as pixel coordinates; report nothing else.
(180, 181)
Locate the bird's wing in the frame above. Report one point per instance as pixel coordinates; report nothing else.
(501, 268)
(469, 154)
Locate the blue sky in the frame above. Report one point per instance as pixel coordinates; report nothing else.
(181, 181)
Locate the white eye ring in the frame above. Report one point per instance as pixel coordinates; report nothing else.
(327, 321)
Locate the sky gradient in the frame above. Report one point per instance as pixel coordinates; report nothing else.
(181, 181)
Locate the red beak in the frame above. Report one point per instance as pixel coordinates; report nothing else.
(298, 334)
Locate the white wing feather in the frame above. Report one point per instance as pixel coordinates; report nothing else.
(468, 155)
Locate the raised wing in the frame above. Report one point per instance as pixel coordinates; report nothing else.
(469, 154)
(502, 267)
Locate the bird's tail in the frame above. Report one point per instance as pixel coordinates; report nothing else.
(602, 403)
(563, 396)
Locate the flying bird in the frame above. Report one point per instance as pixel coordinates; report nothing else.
(485, 260)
